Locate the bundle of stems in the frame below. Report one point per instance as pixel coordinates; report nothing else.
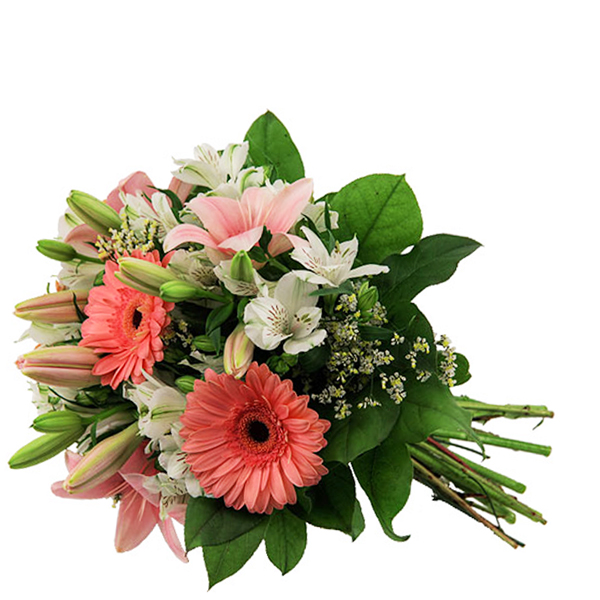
(468, 485)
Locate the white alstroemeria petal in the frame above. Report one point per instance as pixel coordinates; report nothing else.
(313, 278)
(294, 293)
(367, 270)
(250, 177)
(136, 206)
(233, 158)
(295, 346)
(267, 322)
(160, 203)
(305, 321)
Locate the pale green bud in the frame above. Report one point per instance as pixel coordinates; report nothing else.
(241, 267)
(185, 383)
(367, 297)
(58, 421)
(43, 448)
(98, 215)
(178, 291)
(203, 343)
(143, 275)
(57, 250)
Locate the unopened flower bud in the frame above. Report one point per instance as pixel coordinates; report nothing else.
(178, 291)
(98, 215)
(367, 297)
(238, 352)
(43, 448)
(143, 275)
(103, 460)
(241, 267)
(203, 343)
(58, 421)
(56, 250)
(59, 307)
(185, 383)
(63, 366)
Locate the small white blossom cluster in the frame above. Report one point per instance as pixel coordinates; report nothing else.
(420, 345)
(447, 367)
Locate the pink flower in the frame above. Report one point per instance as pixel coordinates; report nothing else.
(232, 225)
(125, 325)
(132, 184)
(251, 442)
(139, 509)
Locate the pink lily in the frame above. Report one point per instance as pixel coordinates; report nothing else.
(139, 509)
(233, 225)
(132, 184)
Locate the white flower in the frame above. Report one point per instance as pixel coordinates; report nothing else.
(330, 270)
(291, 315)
(159, 405)
(315, 211)
(193, 267)
(79, 275)
(52, 333)
(257, 287)
(137, 208)
(220, 172)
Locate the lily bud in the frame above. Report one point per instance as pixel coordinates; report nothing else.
(185, 383)
(58, 421)
(43, 448)
(143, 275)
(238, 352)
(367, 297)
(63, 366)
(203, 343)
(178, 291)
(56, 250)
(58, 307)
(103, 460)
(241, 267)
(98, 215)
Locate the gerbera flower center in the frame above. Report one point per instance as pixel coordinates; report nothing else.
(255, 430)
(137, 318)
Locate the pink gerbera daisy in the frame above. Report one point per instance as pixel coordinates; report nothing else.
(125, 325)
(251, 442)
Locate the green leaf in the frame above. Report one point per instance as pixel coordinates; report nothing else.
(433, 260)
(430, 406)
(385, 474)
(271, 144)
(285, 540)
(462, 374)
(208, 522)
(218, 316)
(334, 503)
(382, 211)
(362, 430)
(314, 359)
(226, 559)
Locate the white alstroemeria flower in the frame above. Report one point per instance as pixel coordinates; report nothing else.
(257, 287)
(79, 275)
(193, 267)
(315, 211)
(200, 362)
(52, 333)
(159, 405)
(137, 208)
(220, 172)
(330, 270)
(172, 460)
(290, 315)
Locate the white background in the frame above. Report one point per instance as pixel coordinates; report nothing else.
(490, 108)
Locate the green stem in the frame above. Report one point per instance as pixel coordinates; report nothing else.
(278, 265)
(495, 440)
(89, 259)
(496, 477)
(509, 411)
(426, 477)
(109, 412)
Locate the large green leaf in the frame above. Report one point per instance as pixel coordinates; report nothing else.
(334, 503)
(226, 559)
(208, 522)
(271, 145)
(362, 430)
(385, 474)
(382, 211)
(285, 540)
(433, 260)
(430, 406)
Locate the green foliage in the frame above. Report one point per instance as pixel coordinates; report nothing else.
(462, 374)
(208, 522)
(385, 474)
(285, 540)
(333, 503)
(430, 406)
(362, 430)
(226, 559)
(433, 260)
(382, 211)
(271, 145)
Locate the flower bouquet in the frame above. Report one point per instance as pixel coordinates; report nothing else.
(235, 355)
